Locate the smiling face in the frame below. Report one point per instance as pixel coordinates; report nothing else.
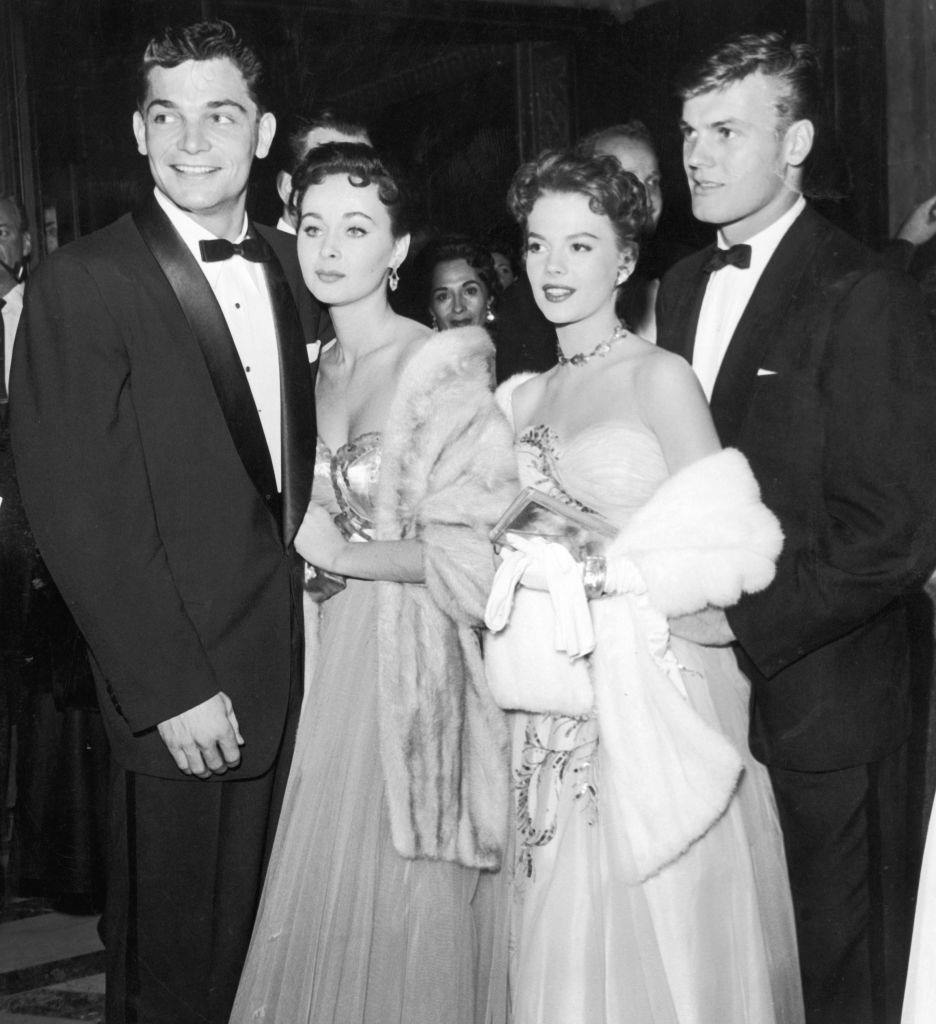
(345, 241)
(459, 298)
(742, 165)
(201, 131)
(573, 259)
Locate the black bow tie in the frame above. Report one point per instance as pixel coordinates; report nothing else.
(253, 249)
(737, 256)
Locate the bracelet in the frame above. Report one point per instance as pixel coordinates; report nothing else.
(594, 574)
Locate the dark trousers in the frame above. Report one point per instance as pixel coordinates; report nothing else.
(846, 834)
(185, 872)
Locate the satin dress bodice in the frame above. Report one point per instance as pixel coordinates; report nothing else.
(345, 483)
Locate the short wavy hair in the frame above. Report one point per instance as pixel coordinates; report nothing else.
(461, 247)
(796, 65)
(205, 40)
(363, 166)
(610, 190)
(634, 130)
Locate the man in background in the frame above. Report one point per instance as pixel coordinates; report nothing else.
(309, 131)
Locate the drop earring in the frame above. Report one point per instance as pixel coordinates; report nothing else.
(394, 279)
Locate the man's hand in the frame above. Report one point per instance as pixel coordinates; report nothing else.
(204, 739)
(708, 627)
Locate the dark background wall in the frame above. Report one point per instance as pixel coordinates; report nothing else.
(459, 92)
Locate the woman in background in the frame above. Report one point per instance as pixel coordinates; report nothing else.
(463, 284)
(381, 903)
(649, 880)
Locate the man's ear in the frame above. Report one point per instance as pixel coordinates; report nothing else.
(284, 186)
(139, 132)
(798, 142)
(27, 244)
(266, 129)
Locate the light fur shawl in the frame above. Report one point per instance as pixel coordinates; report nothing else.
(447, 473)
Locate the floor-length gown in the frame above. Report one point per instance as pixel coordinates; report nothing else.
(350, 932)
(708, 939)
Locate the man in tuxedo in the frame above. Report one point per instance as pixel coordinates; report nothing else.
(820, 367)
(164, 435)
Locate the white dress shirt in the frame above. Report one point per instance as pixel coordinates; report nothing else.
(11, 317)
(283, 225)
(727, 294)
(240, 287)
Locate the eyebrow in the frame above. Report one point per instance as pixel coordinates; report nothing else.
(211, 105)
(345, 216)
(721, 123)
(575, 234)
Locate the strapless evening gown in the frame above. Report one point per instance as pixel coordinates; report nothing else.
(708, 940)
(348, 931)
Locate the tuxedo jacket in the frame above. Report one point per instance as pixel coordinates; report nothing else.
(149, 486)
(828, 387)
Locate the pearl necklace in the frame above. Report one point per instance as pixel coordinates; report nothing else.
(601, 349)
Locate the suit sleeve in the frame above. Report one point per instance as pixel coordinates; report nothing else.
(872, 538)
(84, 482)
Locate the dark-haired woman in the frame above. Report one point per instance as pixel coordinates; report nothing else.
(463, 283)
(380, 903)
(649, 883)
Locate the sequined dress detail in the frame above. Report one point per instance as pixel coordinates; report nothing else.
(710, 938)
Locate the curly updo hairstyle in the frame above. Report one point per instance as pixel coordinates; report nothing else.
(363, 167)
(610, 190)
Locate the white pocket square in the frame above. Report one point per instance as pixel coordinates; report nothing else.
(766, 373)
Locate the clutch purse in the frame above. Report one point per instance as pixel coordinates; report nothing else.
(535, 514)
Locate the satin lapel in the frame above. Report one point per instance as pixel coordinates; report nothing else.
(681, 331)
(756, 333)
(296, 388)
(210, 330)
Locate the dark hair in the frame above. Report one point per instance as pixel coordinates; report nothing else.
(461, 247)
(610, 190)
(499, 241)
(205, 40)
(325, 117)
(795, 64)
(633, 130)
(363, 167)
(21, 215)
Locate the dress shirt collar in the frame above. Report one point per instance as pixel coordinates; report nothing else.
(14, 299)
(192, 232)
(283, 225)
(764, 243)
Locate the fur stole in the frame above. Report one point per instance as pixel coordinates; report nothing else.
(447, 472)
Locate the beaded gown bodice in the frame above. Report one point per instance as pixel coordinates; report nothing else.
(345, 483)
(611, 468)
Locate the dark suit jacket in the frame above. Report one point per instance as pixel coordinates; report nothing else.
(842, 438)
(149, 486)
